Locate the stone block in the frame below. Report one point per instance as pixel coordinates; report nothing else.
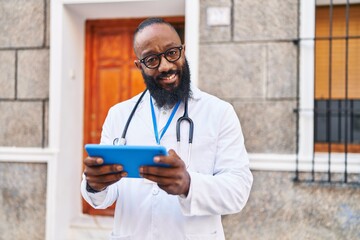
(265, 20)
(282, 70)
(280, 209)
(269, 127)
(23, 200)
(233, 70)
(7, 74)
(33, 74)
(47, 26)
(21, 124)
(21, 23)
(213, 33)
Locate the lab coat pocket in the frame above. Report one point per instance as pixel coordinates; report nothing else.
(113, 237)
(211, 236)
(203, 155)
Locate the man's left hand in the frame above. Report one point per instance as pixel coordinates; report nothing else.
(173, 179)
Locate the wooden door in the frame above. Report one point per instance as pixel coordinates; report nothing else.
(110, 75)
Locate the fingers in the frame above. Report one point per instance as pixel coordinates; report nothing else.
(176, 185)
(104, 179)
(93, 161)
(173, 179)
(173, 160)
(100, 176)
(99, 181)
(169, 185)
(102, 170)
(159, 174)
(175, 166)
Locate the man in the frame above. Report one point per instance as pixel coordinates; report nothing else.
(187, 199)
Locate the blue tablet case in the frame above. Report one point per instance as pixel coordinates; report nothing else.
(130, 157)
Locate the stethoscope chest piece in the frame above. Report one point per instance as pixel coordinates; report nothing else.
(119, 141)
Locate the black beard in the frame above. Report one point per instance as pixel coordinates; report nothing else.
(168, 98)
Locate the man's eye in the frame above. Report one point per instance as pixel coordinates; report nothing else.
(150, 59)
(171, 53)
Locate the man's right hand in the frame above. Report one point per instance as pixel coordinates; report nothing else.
(100, 176)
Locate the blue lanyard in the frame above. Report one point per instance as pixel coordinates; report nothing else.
(167, 124)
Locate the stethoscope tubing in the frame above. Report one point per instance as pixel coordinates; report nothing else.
(185, 117)
(122, 140)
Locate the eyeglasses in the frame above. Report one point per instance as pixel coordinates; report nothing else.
(171, 55)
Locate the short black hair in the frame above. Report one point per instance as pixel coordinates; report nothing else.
(151, 21)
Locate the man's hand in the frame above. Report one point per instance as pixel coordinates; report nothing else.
(174, 179)
(100, 176)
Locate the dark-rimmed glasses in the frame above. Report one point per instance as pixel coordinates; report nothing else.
(171, 55)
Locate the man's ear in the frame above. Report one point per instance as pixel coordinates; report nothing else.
(138, 64)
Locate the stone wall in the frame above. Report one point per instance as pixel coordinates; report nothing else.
(24, 72)
(278, 208)
(24, 97)
(22, 201)
(252, 63)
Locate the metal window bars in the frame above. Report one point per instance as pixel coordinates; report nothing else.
(336, 123)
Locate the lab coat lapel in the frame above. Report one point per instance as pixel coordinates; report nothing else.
(143, 114)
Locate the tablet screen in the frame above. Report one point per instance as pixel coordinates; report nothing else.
(131, 157)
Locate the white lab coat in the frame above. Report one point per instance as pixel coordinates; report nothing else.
(219, 171)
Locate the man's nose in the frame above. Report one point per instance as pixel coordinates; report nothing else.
(165, 65)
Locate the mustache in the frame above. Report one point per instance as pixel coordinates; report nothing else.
(165, 74)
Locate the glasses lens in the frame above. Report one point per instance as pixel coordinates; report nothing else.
(152, 61)
(172, 54)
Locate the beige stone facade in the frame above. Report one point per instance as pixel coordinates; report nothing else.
(253, 64)
(24, 72)
(24, 97)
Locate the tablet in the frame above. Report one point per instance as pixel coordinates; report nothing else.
(130, 157)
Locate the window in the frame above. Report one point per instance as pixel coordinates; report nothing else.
(329, 83)
(337, 79)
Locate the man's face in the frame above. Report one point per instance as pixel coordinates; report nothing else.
(155, 39)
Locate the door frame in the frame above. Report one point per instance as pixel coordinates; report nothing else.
(92, 29)
(64, 218)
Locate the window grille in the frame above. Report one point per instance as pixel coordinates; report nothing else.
(337, 97)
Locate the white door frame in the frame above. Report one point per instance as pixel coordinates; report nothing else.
(66, 104)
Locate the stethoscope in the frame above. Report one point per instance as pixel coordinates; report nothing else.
(185, 117)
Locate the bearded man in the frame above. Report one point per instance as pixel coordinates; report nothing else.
(202, 182)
